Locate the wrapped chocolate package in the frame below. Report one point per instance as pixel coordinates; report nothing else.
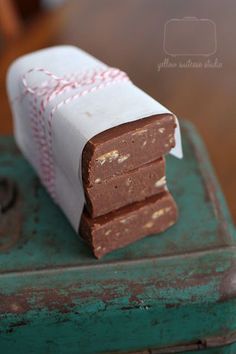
(80, 122)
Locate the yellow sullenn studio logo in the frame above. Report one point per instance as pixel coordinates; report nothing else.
(166, 63)
(190, 36)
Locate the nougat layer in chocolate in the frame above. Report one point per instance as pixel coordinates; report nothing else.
(128, 224)
(115, 192)
(127, 146)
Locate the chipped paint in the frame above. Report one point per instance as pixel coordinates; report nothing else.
(52, 286)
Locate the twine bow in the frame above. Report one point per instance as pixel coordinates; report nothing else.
(88, 82)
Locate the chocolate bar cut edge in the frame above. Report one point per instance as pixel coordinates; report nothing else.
(127, 147)
(128, 224)
(116, 192)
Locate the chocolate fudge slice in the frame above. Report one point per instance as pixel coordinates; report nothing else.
(128, 224)
(118, 191)
(127, 147)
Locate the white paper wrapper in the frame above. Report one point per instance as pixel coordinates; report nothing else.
(54, 119)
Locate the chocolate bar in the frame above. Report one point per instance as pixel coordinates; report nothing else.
(118, 191)
(77, 117)
(126, 147)
(128, 224)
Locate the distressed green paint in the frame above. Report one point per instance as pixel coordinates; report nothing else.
(166, 290)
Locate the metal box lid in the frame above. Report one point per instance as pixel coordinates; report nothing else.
(172, 292)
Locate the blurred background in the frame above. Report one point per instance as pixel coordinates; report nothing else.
(181, 52)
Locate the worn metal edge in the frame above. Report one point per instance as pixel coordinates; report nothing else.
(211, 182)
(57, 269)
(201, 344)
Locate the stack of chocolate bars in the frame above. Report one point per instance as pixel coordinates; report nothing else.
(124, 180)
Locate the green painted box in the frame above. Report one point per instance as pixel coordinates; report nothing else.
(168, 293)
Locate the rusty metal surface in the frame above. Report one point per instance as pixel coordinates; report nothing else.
(8, 194)
(203, 345)
(9, 211)
(169, 291)
(191, 182)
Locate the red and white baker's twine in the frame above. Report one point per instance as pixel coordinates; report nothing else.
(41, 96)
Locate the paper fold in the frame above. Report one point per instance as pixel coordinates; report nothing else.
(52, 129)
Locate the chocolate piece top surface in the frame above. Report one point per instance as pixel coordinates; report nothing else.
(128, 146)
(122, 129)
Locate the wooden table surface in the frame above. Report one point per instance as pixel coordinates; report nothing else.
(129, 34)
